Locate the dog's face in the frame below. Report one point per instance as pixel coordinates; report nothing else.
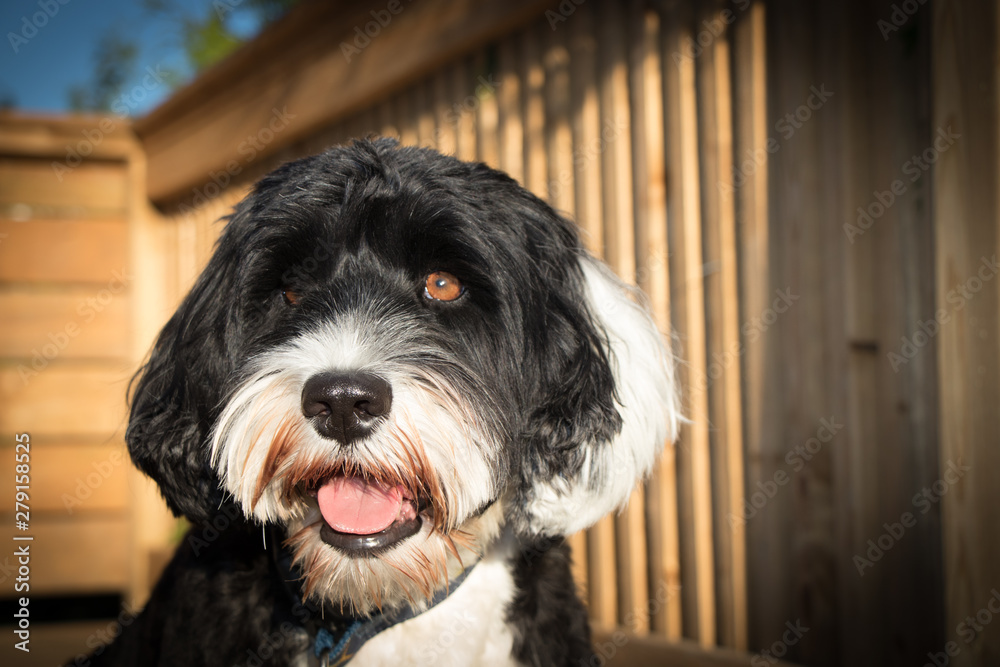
(395, 355)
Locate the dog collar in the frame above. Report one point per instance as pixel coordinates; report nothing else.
(339, 642)
(336, 640)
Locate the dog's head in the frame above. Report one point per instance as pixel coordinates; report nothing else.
(394, 355)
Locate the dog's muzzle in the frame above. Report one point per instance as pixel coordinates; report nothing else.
(361, 514)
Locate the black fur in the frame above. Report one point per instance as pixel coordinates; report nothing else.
(549, 620)
(358, 224)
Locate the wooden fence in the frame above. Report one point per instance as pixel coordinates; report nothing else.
(808, 197)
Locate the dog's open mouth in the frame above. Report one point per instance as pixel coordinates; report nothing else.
(363, 516)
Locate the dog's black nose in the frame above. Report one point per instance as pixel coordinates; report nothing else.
(345, 406)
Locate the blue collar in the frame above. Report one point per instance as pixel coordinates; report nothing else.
(337, 643)
(337, 639)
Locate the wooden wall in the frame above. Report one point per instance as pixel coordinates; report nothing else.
(67, 350)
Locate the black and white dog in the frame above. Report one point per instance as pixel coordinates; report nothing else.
(399, 382)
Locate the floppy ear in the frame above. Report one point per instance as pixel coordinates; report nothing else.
(175, 395)
(600, 467)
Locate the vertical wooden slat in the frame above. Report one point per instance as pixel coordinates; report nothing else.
(446, 137)
(560, 186)
(967, 229)
(423, 111)
(616, 161)
(586, 129)
(511, 121)
(805, 216)
(386, 120)
(588, 206)
(405, 118)
(653, 276)
(750, 198)
(462, 110)
(150, 519)
(723, 373)
(533, 78)
(488, 112)
(688, 315)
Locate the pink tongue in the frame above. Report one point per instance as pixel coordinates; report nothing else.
(351, 505)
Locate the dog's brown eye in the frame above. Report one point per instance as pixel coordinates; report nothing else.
(442, 286)
(291, 298)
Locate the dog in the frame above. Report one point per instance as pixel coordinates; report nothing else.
(398, 384)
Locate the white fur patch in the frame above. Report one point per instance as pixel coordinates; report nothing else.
(647, 401)
(467, 628)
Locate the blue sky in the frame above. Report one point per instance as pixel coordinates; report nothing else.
(60, 53)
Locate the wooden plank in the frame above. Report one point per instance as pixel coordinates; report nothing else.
(966, 214)
(74, 479)
(578, 549)
(447, 140)
(602, 562)
(560, 187)
(533, 111)
(406, 118)
(387, 120)
(619, 236)
(61, 251)
(586, 126)
(29, 188)
(89, 399)
(275, 80)
(653, 276)
(621, 649)
(75, 556)
(423, 110)
(805, 219)
(66, 139)
(723, 329)
(72, 323)
(488, 113)
(461, 115)
(750, 197)
(153, 299)
(510, 119)
(687, 298)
